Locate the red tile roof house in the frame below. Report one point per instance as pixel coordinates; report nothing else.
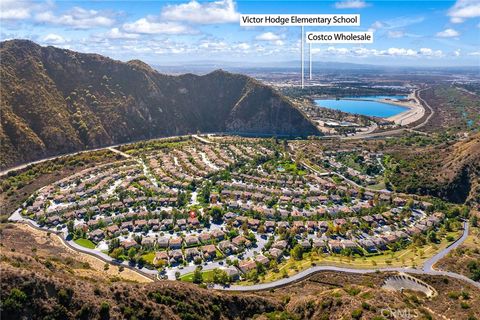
(191, 240)
(162, 242)
(160, 256)
(192, 254)
(275, 253)
(175, 243)
(175, 255)
(299, 226)
(305, 244)
(247, 265)
(113, 230)
(205, 237)
(280, 244)
(399, 201)
(339, 222)
(140, 224)
(182, 223)
(232, 272)
(218, 234)
(349, 244)
(227, 247)
(320, 244)
(253, 223)
(262, 260)
(241, 241)
(269, 226)
(127, 244)
(312, 226)
(96, 235)
(209, 251)
(335, 245)
(193, 222)
(148, 242)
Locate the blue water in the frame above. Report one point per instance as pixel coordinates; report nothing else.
(379, 97)
(367, 108)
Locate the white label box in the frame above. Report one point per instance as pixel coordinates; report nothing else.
(339, 37)
(298, 20)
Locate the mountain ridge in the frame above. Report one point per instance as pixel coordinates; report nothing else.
(57, 101)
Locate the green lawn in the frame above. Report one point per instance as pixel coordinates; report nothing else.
(85, 243)
(148, 257)
(207, 276)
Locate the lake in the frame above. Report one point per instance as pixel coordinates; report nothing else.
(367, 108)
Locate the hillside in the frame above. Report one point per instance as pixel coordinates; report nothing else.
(41, 279)
(449, 171)
(56, 101)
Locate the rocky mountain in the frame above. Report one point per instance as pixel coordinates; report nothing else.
(56, 101)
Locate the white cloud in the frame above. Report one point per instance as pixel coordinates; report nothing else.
(430, 53)
(447, 33)
(474, 53)
(242, 46)
(272, 38)
(77, 18)
(268, 36)
(215, 45)
(116, 33)
(148, 26)
(15, 10)
(457, 52)
(395, 34)
(53, 38)
(351, 4)
(464, 9)
(223, 11)
(365, 52)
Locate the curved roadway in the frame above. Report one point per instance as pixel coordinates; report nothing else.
(427, 269)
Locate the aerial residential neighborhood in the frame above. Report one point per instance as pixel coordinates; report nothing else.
(235, 204)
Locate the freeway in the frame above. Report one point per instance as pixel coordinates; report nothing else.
(426, 269)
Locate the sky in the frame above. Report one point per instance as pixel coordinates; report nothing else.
(406, 33)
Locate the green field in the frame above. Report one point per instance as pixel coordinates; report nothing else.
(207, 276)
(85, 243)
(148, 257)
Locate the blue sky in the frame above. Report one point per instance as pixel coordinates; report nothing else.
(416, 33)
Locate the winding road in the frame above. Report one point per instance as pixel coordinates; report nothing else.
(153, 274)
(427, 269)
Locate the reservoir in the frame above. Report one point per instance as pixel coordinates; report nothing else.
(370, 107)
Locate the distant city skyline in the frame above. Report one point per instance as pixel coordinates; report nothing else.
(406, 33)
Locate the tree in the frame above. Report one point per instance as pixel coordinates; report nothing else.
(475, 221)
(116, 253)
(432, 237)
(104, 311)
(132, 252)
(220, 276)
(70, 227)
(197, 276)
(217, 214)
(297, 252)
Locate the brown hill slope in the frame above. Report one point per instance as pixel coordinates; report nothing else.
(56, 101)
(450, 171)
